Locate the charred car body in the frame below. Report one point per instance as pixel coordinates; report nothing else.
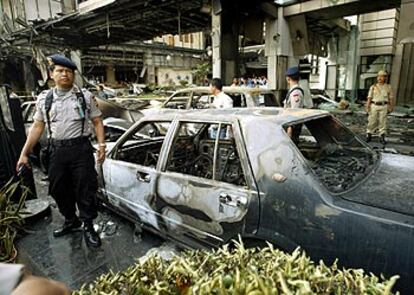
(201, 98)
(205, 177)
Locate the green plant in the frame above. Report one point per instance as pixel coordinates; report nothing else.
(10, 219)
(201, 72)
(183, 83)
(237, 271)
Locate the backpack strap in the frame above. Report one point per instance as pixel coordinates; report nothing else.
(48, 107)
(82, 101)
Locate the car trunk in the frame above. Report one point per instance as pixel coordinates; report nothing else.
(390, 186)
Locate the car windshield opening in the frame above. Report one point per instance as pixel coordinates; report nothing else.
(333, 152)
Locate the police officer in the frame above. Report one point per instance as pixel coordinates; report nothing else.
(379, 104)
(65, 111)
(295, 96)
(294, 99)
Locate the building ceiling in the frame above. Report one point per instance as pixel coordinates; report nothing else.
(122, 21)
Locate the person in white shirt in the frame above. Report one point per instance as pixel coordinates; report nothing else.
(221, 100)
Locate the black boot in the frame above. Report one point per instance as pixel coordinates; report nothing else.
(382, 139)
(68, 227)
(369, 137)
(91, 236)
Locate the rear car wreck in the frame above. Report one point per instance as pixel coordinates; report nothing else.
(204, 177)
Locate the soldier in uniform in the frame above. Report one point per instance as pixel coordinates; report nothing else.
(294, 99)
(379, 104)
(65, 111)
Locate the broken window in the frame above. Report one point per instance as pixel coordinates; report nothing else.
(143, 146)
(239, 100)
(201, 100)
(206, 150)
(334, 153)
(265, 99)
(178, 101)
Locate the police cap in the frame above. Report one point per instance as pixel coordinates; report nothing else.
(292, 72)
(57, 59)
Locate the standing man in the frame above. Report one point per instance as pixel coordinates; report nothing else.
(294, 99)
(379, 103)
(221, 100)
(65, 110)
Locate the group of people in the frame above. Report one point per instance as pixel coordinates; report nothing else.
(260, 82)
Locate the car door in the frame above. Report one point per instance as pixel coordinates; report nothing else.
(205, 191)
(129, 173)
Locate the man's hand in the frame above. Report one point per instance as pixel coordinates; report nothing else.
(101, 153)
(368, 108)
(23, 161)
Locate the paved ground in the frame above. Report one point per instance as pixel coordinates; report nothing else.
(68, 259)
(400, 137)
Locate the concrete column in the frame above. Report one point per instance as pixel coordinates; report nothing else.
(405, 36)
(76, 56)
(216, 42)
(149, 64)
(110, 75)
(279, 53)
(225, 40)
(271, 50)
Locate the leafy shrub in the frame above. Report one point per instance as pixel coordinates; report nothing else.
(238, 271)
(10, 219)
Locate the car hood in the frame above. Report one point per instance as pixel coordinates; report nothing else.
(390, 186)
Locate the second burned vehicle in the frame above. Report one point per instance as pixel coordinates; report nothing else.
(205, 177)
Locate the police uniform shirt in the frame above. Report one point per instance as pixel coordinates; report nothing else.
(380, 92)
(295, 99)
(66, 113)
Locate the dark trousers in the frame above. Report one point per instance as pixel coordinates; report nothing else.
(73, 180)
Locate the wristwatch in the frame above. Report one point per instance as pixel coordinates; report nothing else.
(102, 145)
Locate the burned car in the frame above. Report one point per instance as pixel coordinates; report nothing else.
(204, 177)
(201, 98)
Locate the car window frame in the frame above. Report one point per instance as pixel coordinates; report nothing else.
(240, 147)
(305, 162)
(200, 93)
(188, 105)
(132, 130)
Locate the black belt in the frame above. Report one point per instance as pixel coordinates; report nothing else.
(381, 103)
(69, 142)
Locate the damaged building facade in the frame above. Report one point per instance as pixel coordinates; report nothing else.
(114, 57)
(342, 44)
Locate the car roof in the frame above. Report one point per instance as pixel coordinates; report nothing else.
(279, 116)
(226, 89)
